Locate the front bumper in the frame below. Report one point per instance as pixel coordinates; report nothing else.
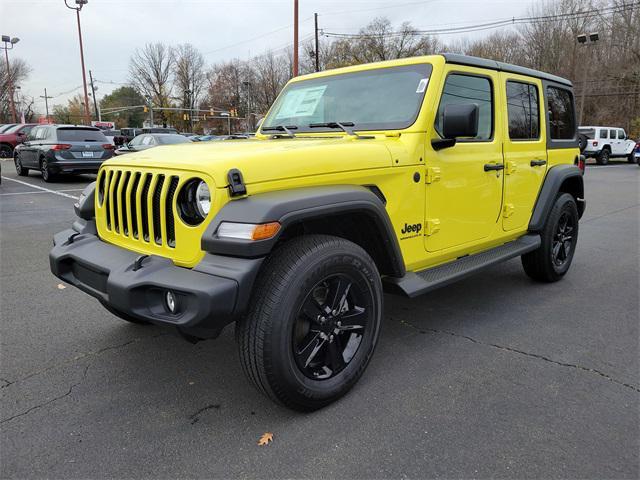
(210, 295)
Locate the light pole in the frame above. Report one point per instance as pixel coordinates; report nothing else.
(582, 40)
(295, 38)
(80, 4)
(8, 45)
(228, 115)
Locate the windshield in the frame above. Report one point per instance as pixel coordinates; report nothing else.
(4, 128)
(170, 138)
(378, 99)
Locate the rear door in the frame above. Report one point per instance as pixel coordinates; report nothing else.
(525, 150)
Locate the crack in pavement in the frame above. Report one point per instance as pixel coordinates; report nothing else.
(195, 417)
(522, 352)
(81, 356)
(35, 407)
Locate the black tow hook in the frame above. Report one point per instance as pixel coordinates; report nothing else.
(137, 264)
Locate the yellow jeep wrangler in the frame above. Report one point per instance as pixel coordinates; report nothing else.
(400, 176)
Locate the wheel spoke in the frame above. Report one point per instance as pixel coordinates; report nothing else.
(353, 319)
(338, 294)
(334, 355)
(312, 310)
(556, 249)
(310, 350)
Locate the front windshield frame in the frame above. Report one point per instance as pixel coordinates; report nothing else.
(424, 69)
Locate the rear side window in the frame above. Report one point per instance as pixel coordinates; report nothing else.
(561, 114)
(80, 135)
(603, 133)
(523, 111)
(465, 89)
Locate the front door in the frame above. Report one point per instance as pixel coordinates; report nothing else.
(464, 182)
(525, 150)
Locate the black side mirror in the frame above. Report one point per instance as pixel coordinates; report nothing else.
(458, 121)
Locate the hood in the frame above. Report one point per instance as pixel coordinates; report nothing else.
(261, 160)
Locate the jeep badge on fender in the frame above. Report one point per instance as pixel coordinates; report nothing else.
(295, 234)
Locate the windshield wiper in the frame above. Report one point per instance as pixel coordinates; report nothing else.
(282, 128)
(344, 126)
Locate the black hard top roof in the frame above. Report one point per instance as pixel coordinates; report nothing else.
(503, 67)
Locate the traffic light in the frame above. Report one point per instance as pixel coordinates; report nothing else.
(145, 109)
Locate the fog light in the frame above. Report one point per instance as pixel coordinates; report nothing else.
(171, 302)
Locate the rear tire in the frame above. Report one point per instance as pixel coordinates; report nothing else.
(47, 176)
(603, 157)
(551, 261)
(6, 151)
(313, 322)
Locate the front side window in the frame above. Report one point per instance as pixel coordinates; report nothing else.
(612, 134)
(465, 89)
(378, 99)
(621, 135)
(523, 111)
(562, 124)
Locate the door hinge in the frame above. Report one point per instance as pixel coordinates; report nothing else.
(433, 174)
(510, 168)
(432, 226)
(507, 210)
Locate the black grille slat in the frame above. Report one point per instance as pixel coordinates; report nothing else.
(116, 217)
(134, 208)
(123, 198)
(157, 228)
(144, 210)
(171, 232)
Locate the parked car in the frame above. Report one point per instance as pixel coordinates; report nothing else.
(12, 137)
(636, 153)
(389, 174)
(149, 140)
(129, 134)
(604, 143)
(217, 138)
(159, 130)
(56, 149)
(114, 136)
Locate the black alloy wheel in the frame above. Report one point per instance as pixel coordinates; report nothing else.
(44, 168)
(5, 151)
(20, 170)
(603, 157)
(562, 246)
(329, 328)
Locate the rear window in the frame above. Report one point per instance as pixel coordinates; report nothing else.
(561, 114)
(588, 132)
(80, 135)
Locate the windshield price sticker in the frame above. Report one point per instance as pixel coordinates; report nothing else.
(302, 102)
(422, 85)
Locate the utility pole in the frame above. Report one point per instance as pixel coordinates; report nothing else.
(10, 41)
(93, 93)
(81, 3)
(295, 38)
(46, 103)
(317, 52)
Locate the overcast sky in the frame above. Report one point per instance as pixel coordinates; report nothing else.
(221, 29)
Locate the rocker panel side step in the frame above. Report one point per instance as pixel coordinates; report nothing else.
(417, 283)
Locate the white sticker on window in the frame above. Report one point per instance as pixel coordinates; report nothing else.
(422, 85)
(301, 102)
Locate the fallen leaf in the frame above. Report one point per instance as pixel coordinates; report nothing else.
(61, 286)
(265, 439)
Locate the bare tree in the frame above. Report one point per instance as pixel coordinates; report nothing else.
(19, 72)
(189, 74)
(150, 70)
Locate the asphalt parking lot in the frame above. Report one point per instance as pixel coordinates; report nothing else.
(495, 376)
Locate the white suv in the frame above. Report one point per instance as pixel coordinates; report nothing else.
(604, 143)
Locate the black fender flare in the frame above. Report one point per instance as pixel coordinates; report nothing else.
(290, 207)
(553, 184)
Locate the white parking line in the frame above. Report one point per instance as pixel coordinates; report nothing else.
(55, 192)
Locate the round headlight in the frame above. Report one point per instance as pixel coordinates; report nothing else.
(203, 199)
(194, 201)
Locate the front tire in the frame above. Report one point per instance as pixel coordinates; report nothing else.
(313, 323)
(20, 170)
(551, 261)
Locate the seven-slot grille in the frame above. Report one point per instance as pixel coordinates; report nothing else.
(139, 205)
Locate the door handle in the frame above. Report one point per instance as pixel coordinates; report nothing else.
(488, 167)
(538, 163)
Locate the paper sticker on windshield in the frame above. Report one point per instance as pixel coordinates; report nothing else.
(301, 103)
(422, 85)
